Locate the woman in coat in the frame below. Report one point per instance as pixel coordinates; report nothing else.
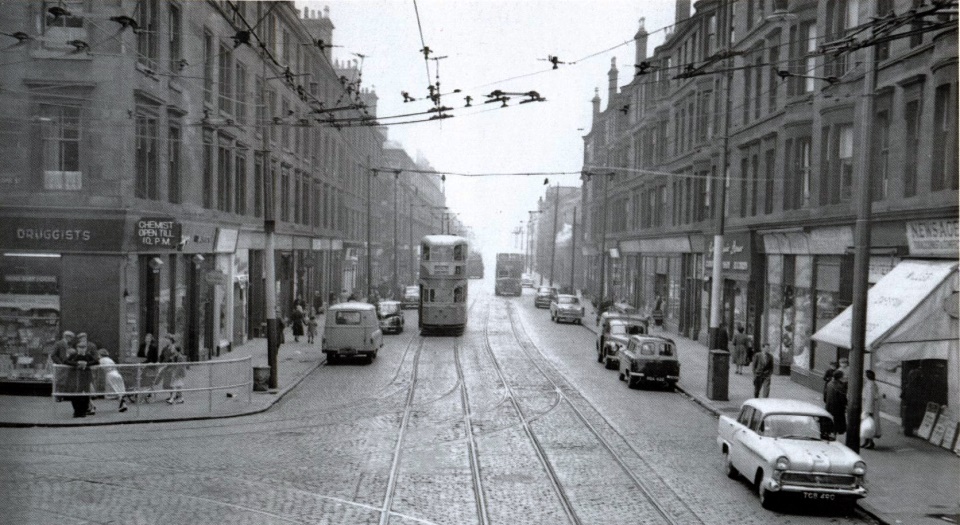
(741, 357)
(296, 323)
(870, 419)
(837, 401)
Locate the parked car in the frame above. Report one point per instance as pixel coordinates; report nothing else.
(786, 446)
(526, 281)
(647, 359)
(411, 297)
(613, 336)
(565, 307)
(351, 329)
(545, 294)
(391, 318)
(610, 308)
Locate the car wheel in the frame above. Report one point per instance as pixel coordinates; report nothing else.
(633, 383)
(609, 365)
(621, 377)
(766, 497)
(331, 358)
(599, 357)
(728, 467)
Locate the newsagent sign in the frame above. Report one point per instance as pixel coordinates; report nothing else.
(933, 237)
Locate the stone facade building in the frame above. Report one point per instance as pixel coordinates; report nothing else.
(783, 111)
(145, 142)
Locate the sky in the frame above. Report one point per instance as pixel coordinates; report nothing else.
(487, 44)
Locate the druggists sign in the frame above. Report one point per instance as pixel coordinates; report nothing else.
(49, 234)
(933, 237)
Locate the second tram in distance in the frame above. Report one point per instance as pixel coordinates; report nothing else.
(443, 284)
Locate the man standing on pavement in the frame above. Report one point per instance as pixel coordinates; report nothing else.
(837, 401)
(762, 370)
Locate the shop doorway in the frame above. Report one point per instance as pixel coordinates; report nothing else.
(922, 381)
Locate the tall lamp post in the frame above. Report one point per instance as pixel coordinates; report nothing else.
(573, 253)
(373, 174)
(269, 263)
(603, 244)
(396, 254)
(553, 251)
(718, 389)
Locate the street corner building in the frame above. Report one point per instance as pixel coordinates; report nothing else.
(769, 122)
(149, 145)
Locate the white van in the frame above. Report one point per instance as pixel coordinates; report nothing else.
(351, 329)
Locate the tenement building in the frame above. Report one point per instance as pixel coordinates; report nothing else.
(779, 116)
(146, 145)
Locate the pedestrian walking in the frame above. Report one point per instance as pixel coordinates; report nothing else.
(740, 350)
(61, 350)
(113, 379)
(164, 375)
(148, 349)
(63, 347)
(723, 339)
(178, 372)
(79, 378)
(870, 419)
(827, 376)
(311, 328)
(296, 323)
(762, 371)
(658, 311)
(837, 401)
(317, 302)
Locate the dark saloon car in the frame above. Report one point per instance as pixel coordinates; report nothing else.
(649, 359)
(614, 335)
(391, 318)
(545, 294)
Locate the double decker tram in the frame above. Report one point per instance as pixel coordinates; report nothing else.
(443, 284)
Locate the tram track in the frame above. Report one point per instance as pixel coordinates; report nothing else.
(538, 449)
(482, 516)
(398, 450)
(669, 517)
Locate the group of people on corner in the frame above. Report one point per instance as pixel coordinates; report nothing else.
(167, 356)
(82, 359)
(743, 355)
(835, 400)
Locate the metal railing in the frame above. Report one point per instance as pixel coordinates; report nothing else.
(139, 385)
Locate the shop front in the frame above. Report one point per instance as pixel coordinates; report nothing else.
(911, 337)
(741, 303)
(666, 280)
(56, 274)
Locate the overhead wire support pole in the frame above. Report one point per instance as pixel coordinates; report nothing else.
(603, 244)
(716, 283)
(573, 253)
(269, 226)
(373, 174)
(396, 226)
(861, 254)
(553, 252)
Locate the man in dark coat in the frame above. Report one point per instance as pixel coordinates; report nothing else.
(837, 401)
(79, 378)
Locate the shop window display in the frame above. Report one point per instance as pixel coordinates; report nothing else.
(29, 314)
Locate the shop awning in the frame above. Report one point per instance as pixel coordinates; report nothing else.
(905, 306)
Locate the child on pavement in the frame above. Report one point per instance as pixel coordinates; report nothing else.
(311, 328)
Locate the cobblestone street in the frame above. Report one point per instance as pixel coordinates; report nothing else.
(514, 422)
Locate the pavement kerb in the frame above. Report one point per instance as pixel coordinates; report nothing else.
(276, 397)
(705, 403)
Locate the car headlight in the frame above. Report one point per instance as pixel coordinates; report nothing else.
(859, 468)
(783, 463)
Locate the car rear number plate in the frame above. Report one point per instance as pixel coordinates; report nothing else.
(819, 495)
